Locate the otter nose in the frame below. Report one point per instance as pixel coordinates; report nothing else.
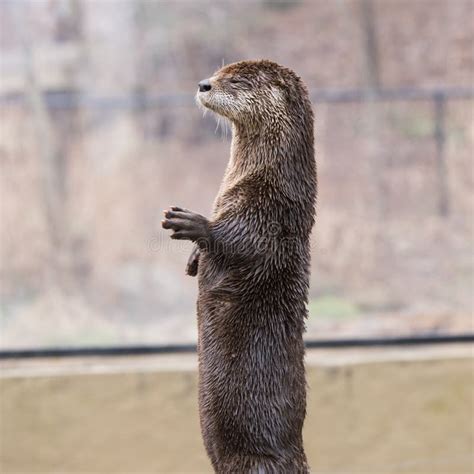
(204, 85)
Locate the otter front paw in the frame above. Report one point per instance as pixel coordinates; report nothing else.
(186, 225)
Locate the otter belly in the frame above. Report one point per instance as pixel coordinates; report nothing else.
(251, 373)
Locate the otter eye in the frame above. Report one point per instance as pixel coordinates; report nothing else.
(236, 81)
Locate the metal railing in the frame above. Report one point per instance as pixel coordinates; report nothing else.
(71, 99)
(135, 350)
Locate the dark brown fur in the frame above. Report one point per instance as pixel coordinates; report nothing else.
(252, 259)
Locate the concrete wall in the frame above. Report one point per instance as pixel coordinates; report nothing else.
(372, 412)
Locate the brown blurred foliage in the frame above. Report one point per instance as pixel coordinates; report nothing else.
(82, 188)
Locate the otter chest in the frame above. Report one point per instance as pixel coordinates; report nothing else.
(230, 200)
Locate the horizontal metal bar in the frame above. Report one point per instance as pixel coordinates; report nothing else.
(399, 94)
(73, 99)
(390, 341)
(191, 348)
(96, 351)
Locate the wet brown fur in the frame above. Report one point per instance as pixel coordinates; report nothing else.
(252, 259)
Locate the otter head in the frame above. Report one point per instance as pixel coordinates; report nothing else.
(254, 93)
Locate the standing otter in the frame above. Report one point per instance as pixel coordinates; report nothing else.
(252, 259)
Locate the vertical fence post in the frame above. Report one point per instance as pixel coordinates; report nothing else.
(374, 152)
(367, 22)
(440, 139)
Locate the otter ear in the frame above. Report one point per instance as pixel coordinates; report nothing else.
(280, 83)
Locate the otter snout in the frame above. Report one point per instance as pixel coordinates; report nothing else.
(205, 85)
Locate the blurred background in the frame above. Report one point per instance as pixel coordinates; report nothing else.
(99, 133)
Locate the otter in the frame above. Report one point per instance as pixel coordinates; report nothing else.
(252, 258)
